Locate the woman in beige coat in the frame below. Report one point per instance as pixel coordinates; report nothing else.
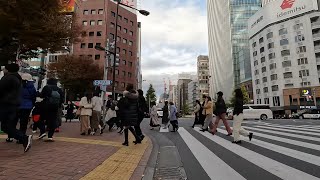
(86, 113)
(208, 112)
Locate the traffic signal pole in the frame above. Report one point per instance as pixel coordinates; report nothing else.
(115, 55)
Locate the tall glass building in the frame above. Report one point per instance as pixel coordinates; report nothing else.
(229, 53)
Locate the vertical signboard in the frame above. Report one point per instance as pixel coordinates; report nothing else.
(67, 5)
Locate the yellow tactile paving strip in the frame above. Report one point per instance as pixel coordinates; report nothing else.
(121, 165)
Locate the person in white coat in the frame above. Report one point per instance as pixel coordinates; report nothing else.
(154, 119)
(85, 114)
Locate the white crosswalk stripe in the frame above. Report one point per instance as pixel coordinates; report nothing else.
(266, 136)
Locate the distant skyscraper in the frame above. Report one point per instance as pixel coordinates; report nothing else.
(203, 75)
(227, 28)
(265, 2)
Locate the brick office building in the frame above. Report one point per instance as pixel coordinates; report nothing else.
(98, 19)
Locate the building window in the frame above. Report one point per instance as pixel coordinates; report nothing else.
(116, 84)
(119, 28)
(93, 11)
(264, 69)
(100, 11)
(256, 63)
(258, 91)
(304, 73)
(266, 100)
(126, 20)
(273, 66)
(90, 45)
(91, 33)
(265, 90)
(118, 50)
(97, 57)
(119, 17)
(130, 43)
(284, 42)
(276, 101)
(272, 56)
(124, 41)
(130, 64)
(270, 35)
(283, 31)
(129, 74)
(305, 84)
(263, 59)
(301, 49)
(123, 73)
(275, 88)
(124, 51)
(85, 12)
(254, 44)
(302, 61)
(264, 79)
(83, 45)
(285, 53)
(286, 64)
(130, 52)
(255, 53)
(256, 72)
(125, 30)
(99, 33)
(112, 25)
(124, 62)
(299, 38)
(85, 23)
(117, 72)
(287, 75)
(262, 50)
(288, 85)
(98, 44)
(92, 23)
(131, 33)
(271, 45)
(123, 85)
(274, 77)
(131, 23)
(257, 81)
(298, 26)
(99, 22)
(113, 14)
(111, 36)
(261, 40)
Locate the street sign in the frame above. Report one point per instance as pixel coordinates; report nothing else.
(102, 82)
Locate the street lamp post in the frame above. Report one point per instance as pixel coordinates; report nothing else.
(143, 12)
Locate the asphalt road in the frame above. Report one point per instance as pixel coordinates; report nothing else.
(280, 149)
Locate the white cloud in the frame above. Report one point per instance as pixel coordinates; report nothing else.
(173, 35)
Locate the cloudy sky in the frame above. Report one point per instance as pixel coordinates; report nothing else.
(173, 35)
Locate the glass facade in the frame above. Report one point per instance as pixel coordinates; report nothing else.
(240, 12)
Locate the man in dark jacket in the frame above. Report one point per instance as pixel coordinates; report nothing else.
(220, 112)
(52, 102)
(10, 99)
(142, 110)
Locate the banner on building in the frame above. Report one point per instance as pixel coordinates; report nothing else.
(68, 5)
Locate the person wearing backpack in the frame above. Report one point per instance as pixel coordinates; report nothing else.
(53, 98)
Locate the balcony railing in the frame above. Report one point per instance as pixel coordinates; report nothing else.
(317, 47)
(315, 24)
(316, 35)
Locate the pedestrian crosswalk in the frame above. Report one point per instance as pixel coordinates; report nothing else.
(276, 152)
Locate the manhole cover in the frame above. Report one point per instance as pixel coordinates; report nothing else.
(171, 173)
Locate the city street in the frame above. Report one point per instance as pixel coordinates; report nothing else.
(280, 149)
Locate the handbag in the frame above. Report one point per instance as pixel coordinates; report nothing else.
(36, 118)
(78, 113)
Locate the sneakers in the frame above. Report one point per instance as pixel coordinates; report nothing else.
(236, 142)
(250, 136)
(49, 140)
(33, 132)
(9, 140)
(42, 136)
(27, 143)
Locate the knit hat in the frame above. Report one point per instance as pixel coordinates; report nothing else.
(27, 77)
(12, 68)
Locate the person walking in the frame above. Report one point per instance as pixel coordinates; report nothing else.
(197, 111)
(97, 105)
(141, 114)
(165, 117)
(221, 110)
(28, 99)
(37, 117)
(70, 115)
(208, 112)
(10, 99)
(111, 116)
(52, 97)
(238, 118)
(173, 117)
(128, 107)
(154, 119)
(85, 114)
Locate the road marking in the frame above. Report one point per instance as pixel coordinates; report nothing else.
(212, 164)
(295, 128)
(288, 130)
(283, 150)
(285, 134)
(281, 170)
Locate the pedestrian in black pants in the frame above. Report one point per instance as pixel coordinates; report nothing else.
(53, 98)
(38, 118)
(142, 110)
(10, 99)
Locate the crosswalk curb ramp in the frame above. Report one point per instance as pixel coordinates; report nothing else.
(276, 152)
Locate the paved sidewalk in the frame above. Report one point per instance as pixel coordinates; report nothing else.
(72, 156)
